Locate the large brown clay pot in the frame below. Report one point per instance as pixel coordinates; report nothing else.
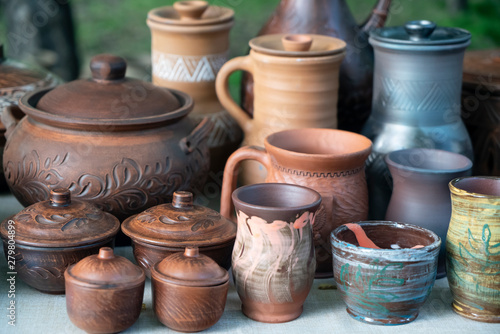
(333, 18)
(189, 44)
(294, 88)
(329, 161)
(16, 79)
(123, 144)
(481, 108)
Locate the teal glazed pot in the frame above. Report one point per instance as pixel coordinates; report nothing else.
(473, 248)
(416, 98)
(420, 194)
(385, 286)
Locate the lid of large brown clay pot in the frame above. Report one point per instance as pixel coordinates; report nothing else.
(482, 67)
(106, 268)
(61, 222)
(17, 74)
(300, 45)
(108, 94)
(191, 13)
(180, 224)
(190, 268)
(419, 33)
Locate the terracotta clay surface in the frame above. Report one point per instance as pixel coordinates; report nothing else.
(125, 149)
(333, 18)
(169, 228)
(54, 234)
(189, 44)
(104, 292)
(293, 89)
(189, 291)
(472, 254)
(385, 286)
(481, 108)
(420, 193)
(326, 160)
(273, 257)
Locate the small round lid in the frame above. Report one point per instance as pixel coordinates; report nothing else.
(421, 32)
(180, 224)
(190, 268)
(61, 222)
(297, 45)
(17, 74)
(108, 95)
(482, 67)
(108, 269)
(191, 13)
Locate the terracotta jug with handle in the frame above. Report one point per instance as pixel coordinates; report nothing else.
(332, 18)
(296, 84)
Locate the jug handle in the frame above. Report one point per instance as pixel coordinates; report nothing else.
(9, 120)
(231, 174)
(222, 90)
(189, 143)
(377, 17)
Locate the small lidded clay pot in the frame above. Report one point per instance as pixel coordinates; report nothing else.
(169, 228)
(104, 292)
(51, 235)
(189, 291)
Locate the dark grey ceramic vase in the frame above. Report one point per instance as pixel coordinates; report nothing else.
(421, 195)
(416, 98)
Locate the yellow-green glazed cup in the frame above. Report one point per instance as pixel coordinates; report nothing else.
(473, 247)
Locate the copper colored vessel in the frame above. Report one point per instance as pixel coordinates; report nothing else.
(332, 18)
(121, 143)
(189, 44)
(104, 292)
(51, 235)
(169, 228)
(189, 291)
(481, 108)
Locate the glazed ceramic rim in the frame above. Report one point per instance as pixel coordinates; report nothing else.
(303, 207)
(339, 244)
(27, 104)
(377, 37)
(454, 189)
(431, 152)
(257, 44)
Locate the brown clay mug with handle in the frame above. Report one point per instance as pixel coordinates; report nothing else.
(296, 84)
(330, 161)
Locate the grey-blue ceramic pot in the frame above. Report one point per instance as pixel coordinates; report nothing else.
(416, 98)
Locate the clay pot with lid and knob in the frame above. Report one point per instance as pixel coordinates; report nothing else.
(295, 86)
(16, 79)
(120, 143)
(332, 18)
(416, 98)
(104, 292)
(53, 234)
(169, 228)
(189, 44)
(189, 290)
(481, 108)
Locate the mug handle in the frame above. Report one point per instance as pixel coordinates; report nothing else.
(222, 90)
(231, 174)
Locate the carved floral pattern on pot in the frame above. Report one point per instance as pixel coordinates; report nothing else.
(273, 262)
(125, 188)
(225, 129)
(10, 95)
(181, 68)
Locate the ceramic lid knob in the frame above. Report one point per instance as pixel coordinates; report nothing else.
(108, 67)
(421, 29)
(182, 200)
(60, 197)
(190, 10)
(296, 42)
